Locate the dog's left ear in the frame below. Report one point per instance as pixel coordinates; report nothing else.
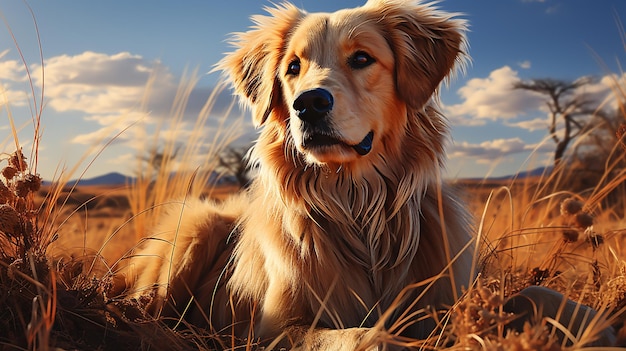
(253, 66)
(427, 43)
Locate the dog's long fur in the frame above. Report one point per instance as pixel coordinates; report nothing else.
(327, 235)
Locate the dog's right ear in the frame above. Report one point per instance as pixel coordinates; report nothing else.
(427, 45)
(253, 66)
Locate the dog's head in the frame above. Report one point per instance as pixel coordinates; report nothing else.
(341, 87)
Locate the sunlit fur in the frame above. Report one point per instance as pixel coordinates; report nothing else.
(326, 235)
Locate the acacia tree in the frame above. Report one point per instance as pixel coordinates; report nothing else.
(567, 105)
(600, 152)
(233, 162)
(157, 160)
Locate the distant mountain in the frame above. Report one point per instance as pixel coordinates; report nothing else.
(113, 178)
(537, 172)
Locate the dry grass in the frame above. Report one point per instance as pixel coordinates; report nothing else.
(58, 288)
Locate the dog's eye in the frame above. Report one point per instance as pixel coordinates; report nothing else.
(294, 67)
(360, 59)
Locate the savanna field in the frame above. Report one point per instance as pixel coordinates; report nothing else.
(62, 243)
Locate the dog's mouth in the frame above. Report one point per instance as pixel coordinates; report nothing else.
(316, 140)
(365, 146)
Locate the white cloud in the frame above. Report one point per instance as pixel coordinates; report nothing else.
(530, 125)
(13, 81)
(96, 83)
(124, 159)
(491, 150)
(12, 97)
(11, 70)
(121, 101)
(525, 64)
(94, 138)
(606, 92)
(114, 90)
(492, 98)
(97, 69)
(111, 125)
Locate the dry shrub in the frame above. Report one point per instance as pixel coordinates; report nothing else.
(533, 232)
(478, 321)
(25, 278)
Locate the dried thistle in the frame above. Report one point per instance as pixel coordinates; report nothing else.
(571, 206)
(9, 172)
(9, 221)
(583, 220)
(6, 195)
(534, 337)
(33, 181)
(570, 235)
(17, 216)
(17, 160)
(20, 205)
(21, 188)
(30, 183)
(595, 239)
(478, 313)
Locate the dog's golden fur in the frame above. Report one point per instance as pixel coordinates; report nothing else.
(348, 209)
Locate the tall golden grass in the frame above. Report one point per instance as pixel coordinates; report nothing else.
(530, 231)
(171, 174)
(52, 297)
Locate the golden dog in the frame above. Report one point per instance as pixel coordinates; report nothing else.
(348, 223)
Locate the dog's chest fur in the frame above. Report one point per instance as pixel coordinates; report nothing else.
(344, 247)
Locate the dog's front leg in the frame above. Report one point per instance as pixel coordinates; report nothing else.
(301, 338)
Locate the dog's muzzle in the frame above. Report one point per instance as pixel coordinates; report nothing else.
(312, 107)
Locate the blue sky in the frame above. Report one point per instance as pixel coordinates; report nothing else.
(100, 55)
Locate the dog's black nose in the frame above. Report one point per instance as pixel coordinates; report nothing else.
(313, 105)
